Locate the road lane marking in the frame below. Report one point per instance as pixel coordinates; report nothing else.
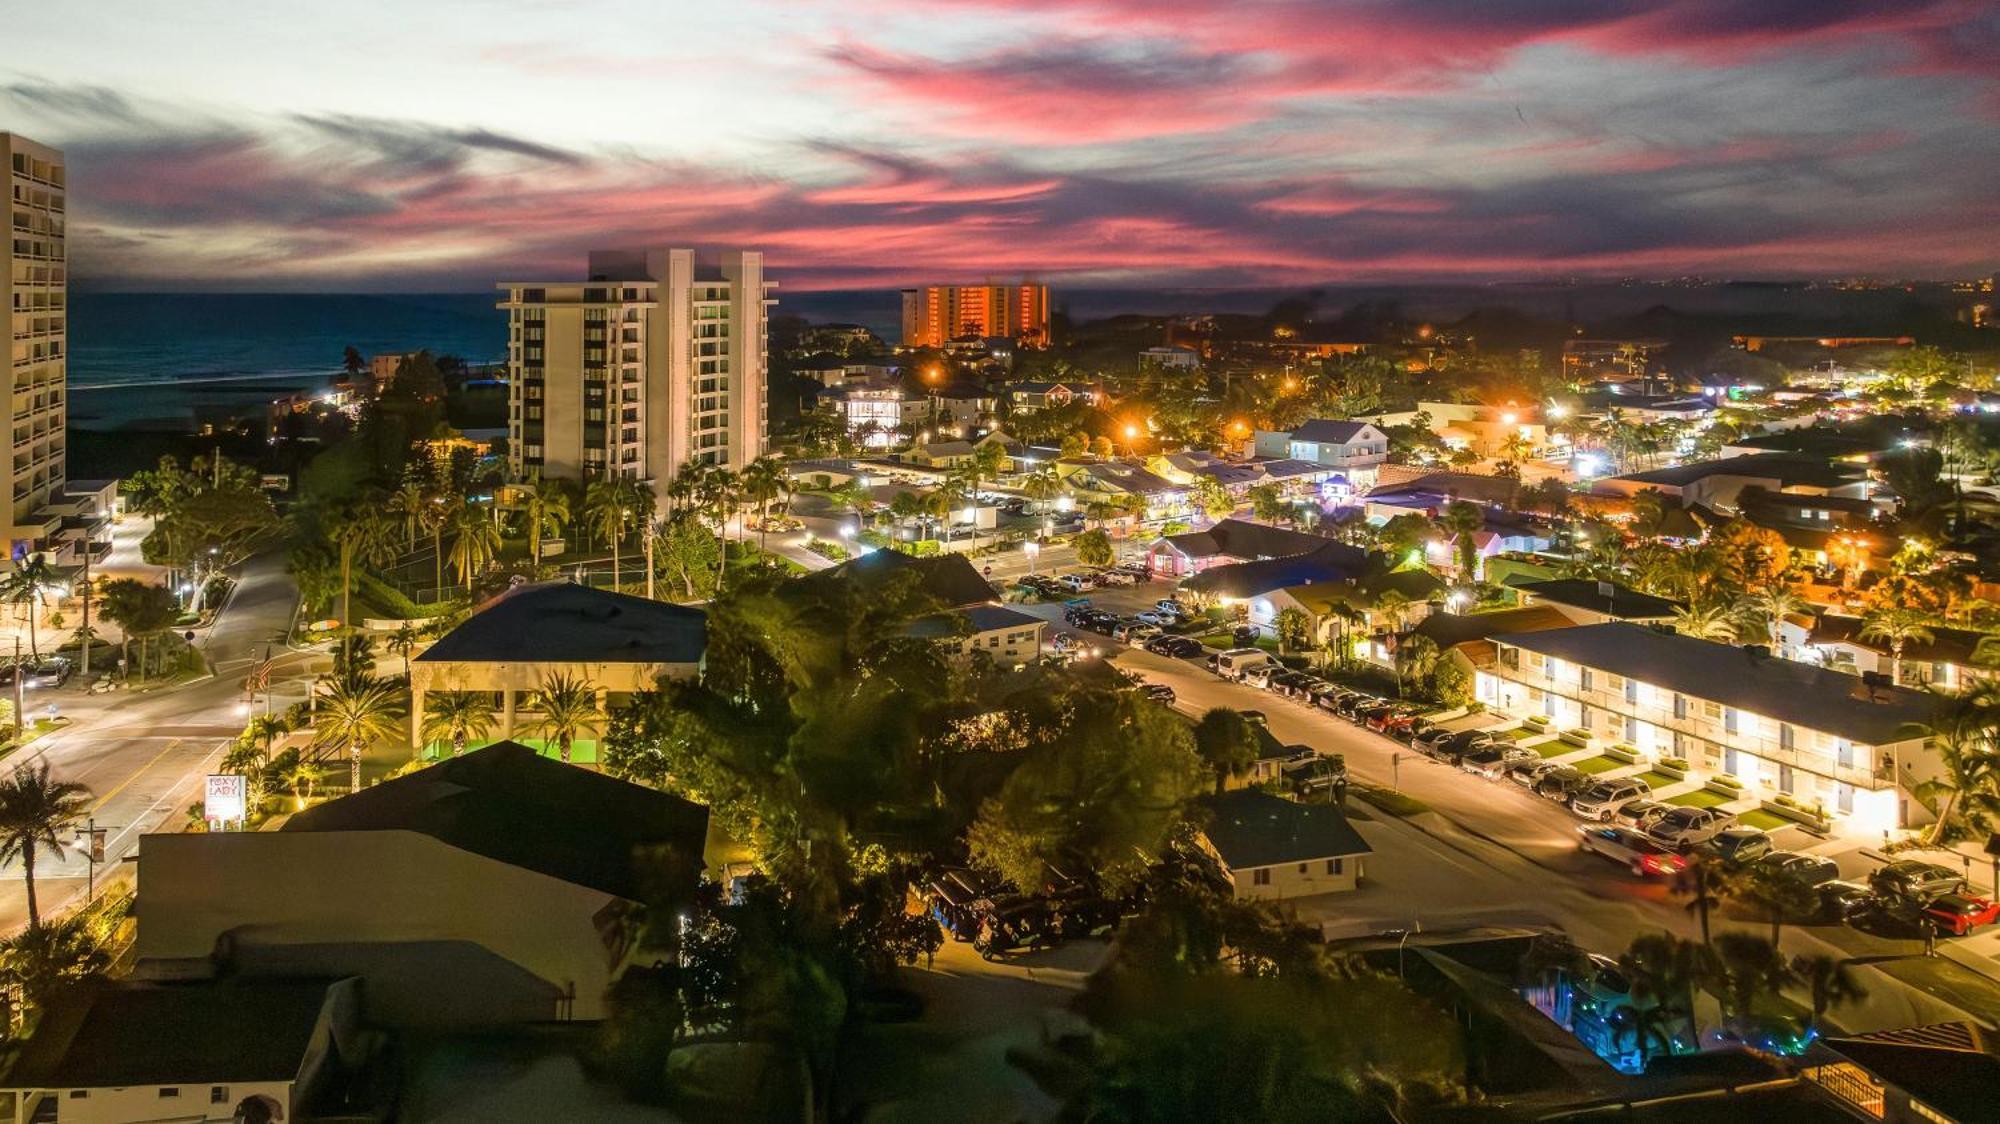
(124, 784)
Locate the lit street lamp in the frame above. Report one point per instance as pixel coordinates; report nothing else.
(1031, 549)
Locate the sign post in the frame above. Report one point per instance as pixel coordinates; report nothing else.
(91, 841)
(224, 800)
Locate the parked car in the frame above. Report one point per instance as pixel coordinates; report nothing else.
(1738, 845)
(1244, 636)
(1914, 880)
(1381, 720)
(1290, 683)
(1080, 583)
(1682, 828)
(1169, 605)
(1415, 728)
(1158, 619)
(1176, 647)
(1370, 714)
(1354, 704)
(1428, 740)
(1159, 693)
(1134, 632)
(1261, 674)
(1602, 799)
(1639, 814)
(1137, 569)
(1844, 901)
(1526, 773)
(1812, 871)
(1631, 848)
(1073, 611)
(1114, 577)
(1561, 783)
(51, 671)
(1494, 759)
(1959, 914)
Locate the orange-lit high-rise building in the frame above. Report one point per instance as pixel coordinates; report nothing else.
(937, 314)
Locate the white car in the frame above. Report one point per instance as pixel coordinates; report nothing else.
(1115, 577)
(1158, 619)
(1685, 827)
(1078, 583)
(1602, 800)
(1627, 847)
(1169, 605)
(1137, 633)
(1260, 676)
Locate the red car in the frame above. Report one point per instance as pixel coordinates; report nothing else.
(1959, 914)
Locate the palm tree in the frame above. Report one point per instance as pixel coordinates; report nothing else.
(568, 706)
(1042, 485)
(1896, 626)
(247, 758)
(440, 513)
(1745, 970)
(1768, 607)
(1704, 620)
(404, 641)
(608, 506)
(1416, 658)
(363, 532)
(547, 511)
(1828, 982)
(44, 958)
(411, 502)
(359, 709)
(763, 480)
(32, 578)
(459, 717)
(1961, 736)
(1662, 970)
(474, 543)
(36, 812)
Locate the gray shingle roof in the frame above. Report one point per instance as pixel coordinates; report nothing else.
(1581, 594)
(1331, 561)
(511, 805)
(1249, 829)
(1816, 698)
(562, 622)
(1242, 538)
(209, 1032)
(1786, 469)
(1326, 430)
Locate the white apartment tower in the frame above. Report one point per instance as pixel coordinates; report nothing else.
(34, 289)
(655, 360)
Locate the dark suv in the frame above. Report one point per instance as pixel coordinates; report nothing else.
(1916, 881)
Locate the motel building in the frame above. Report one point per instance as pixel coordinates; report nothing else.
(1825, 740)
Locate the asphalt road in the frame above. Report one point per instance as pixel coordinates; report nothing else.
(143, 754)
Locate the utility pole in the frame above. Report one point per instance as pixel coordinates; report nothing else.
(20, 674)
(650, 536)
(85, 634)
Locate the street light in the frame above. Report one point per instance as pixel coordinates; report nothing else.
(1031, 549)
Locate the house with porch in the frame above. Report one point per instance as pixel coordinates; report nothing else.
(1227, 542)
(1777, 726)
(1356, 449)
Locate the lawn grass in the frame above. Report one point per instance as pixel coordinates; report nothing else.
(1390, 801)
(1659, 780)
(1762, 820)
(1554, 747)
(1700, 798)
(1518, 733)
(1598, 764)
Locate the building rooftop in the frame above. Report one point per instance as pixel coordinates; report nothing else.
(1242, 538)
(562, 622)
(1609, 598)
(948, 579)
(1448, 630)
(1129, 478)
(982, 618)
(1958, 1081)
(1327, 430)
(1961, 646)
(120, 1035)
(1249, 829)
(1801, 694)
(1331, 562)
(1285, 468)
(511, 805)
(1785, 469)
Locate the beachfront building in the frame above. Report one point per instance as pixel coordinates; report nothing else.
(34, 289)
(1777, 726)
(655, 359)
(935, 315)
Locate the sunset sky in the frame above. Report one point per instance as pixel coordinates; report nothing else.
(377, 145)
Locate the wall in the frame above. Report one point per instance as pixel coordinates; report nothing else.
(369, 889)
(1288, 882)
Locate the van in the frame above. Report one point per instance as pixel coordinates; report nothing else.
(1233, 663)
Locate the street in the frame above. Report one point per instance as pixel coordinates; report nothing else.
(143, 753)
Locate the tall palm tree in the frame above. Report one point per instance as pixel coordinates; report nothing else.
(762, 480)
(1828, 982)
(362, 532)
(442, 512)
(458, 717)
(404, 641)
(1661, 970)
(36, 812)
(1896, 626)
(1042, 485)
(1745, 969)
(247, 759)
(474, 543)
(31, 580)
(607, 509)
(1704, 620)
(300, 775)
(359, 709)
(1962, 736)
(568, 706)
(410, 501)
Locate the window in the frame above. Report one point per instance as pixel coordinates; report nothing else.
(1333, 865)
(78, 1094)
(218, 1094)
(1302, 868)
(1261, 876)
(170, 1091)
